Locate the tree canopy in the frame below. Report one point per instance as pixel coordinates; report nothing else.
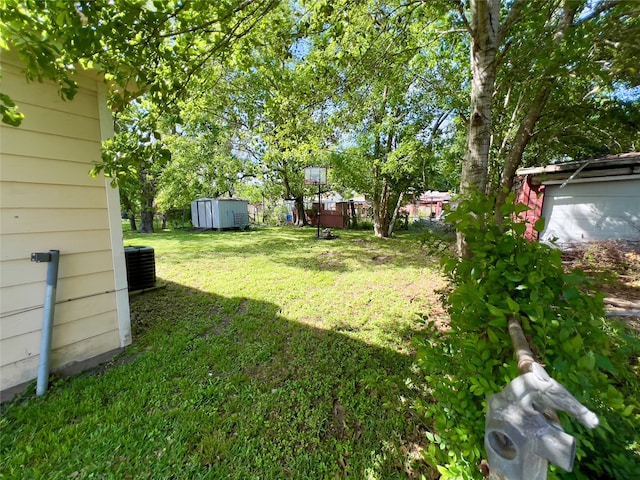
(381, 91)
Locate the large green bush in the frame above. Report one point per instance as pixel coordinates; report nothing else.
(565, 322)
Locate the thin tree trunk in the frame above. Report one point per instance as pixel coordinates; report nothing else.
(129, 210)
(146, 201)
(519, 143)
(381, 211)
(381, 189)
(484, 28)
(395, 214)
(354, 214)
(534, 112)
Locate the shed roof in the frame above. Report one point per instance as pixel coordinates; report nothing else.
(623, 164)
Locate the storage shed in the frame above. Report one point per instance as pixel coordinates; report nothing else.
(584, 201)
(48, 201)
(220, 213)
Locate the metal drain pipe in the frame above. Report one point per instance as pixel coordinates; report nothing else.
(52, 257)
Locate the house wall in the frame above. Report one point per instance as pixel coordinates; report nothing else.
(48, 201)
(592, 210)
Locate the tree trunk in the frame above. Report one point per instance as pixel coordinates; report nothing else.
(146, 220)
(485, 15)
(354, 214)
(301, 219)
(484, 47)
(146, 201)
(127, 204)
(381, 211)
(394, 216)
(528, 123)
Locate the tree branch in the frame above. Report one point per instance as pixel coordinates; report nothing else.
(511, 19)
(463, 16)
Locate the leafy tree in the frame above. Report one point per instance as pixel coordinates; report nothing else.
(203, 162)
(136, 157)
(269, 100)
(158, 47)
(528, 61)
(510, 277)
(384, 102)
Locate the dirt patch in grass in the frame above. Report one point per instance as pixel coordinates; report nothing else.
(614, 267)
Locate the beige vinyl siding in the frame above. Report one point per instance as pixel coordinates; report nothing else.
(62, 172)
(20, 246)
(65, 335)
(48, 96)
(20, 297)
(48, 201)
(81, 263)
(21, 143)
(79, 351)
(16, 325)
(16, 220)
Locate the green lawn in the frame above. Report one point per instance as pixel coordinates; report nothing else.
(268, 355)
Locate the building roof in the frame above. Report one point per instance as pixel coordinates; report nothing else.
(431, 196)
(623, 164)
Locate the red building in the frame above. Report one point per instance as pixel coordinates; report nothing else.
(428, 205)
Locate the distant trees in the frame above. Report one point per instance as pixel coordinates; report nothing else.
(386, 100)
(386, 91)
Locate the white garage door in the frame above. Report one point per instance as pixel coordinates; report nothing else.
(589, 211)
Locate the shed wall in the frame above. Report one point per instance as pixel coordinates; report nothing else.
(592, 211)
(219, 213)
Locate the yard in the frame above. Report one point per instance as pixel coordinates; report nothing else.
(269, 354)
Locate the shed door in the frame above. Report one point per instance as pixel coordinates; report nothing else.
(591, 211)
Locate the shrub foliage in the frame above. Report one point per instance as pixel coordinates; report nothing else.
(564, 320)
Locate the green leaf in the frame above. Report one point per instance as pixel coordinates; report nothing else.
(500, 322)
(513, 277)
(627, 411)
(493, 338)
(519, 228)
(521, 208)
(495, 311)
(514, 306)
(587, 362)
(605, 364)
